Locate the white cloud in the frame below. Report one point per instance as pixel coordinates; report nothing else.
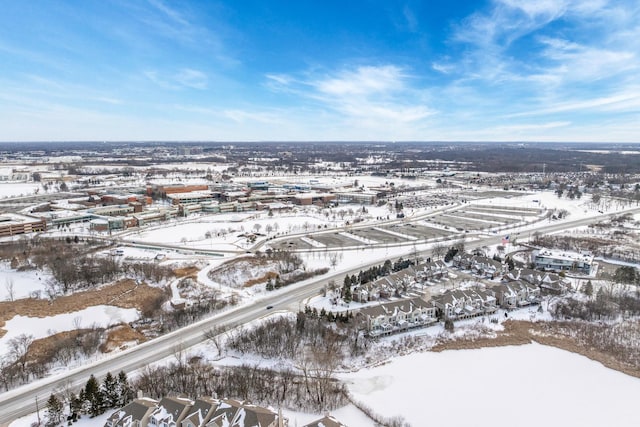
(182, 78)
(371, 99)
(192, 78)
(614, 102)
(363, 81)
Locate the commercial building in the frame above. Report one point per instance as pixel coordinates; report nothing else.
(556, 260)
(13, 224)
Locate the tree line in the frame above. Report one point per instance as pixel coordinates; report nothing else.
(94, 399)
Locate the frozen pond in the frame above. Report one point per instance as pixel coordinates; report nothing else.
(530, 385)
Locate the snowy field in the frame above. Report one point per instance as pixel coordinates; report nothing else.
(15, 189)
(23, 283)
(523, 386)
(40, 327)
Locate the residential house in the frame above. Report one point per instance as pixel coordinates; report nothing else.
(235, 413)
(465, 303)
(516, 294)
(463, 260)
(134, 414)
(170, 411)
(547, 281)
(201, 412)
(326, 421)
(431, 270)
(397, 316)
(486, 267)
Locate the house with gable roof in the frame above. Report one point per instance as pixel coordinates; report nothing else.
(204, 412)
(397, 316)
(170, 411)
(134, 414)
(235, 413)
(547, 281)
(486, 267)
(516, 294)
(201, 412)
(431, 270)
(456, 304)
(326, 421)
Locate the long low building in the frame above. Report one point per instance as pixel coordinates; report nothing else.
(13, 224)
(556, 260)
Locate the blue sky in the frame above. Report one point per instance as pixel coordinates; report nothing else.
(503, 70)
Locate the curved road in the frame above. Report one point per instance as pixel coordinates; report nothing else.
(22, 401)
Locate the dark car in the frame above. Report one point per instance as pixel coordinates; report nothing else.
(269, 307)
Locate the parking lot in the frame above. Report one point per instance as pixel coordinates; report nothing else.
(466, 218)
(378, 235)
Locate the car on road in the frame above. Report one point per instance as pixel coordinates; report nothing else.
(269, 307)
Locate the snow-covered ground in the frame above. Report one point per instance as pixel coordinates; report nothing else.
(528, 385)
(40, 327)
(23, 283)
(15, 189)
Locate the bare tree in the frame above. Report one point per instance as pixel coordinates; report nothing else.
(214, 335)
(19, 350)
(11, 295)
(439, 250)
(333, 259)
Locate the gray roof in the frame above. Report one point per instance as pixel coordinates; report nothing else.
(134, 411)
(390, 308)
(326, 421)
(201, 411)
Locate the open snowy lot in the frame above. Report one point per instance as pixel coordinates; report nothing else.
(528, 385)
(14, 189)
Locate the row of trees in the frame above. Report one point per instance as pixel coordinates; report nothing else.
(606, 305)
(73, 266)
(21, 363)
(94, 399)
(311, 391)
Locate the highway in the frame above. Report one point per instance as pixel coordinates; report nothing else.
(22, 401)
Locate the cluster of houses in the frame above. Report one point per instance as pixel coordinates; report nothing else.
(180, 411)
(399, 283)
(518, 288)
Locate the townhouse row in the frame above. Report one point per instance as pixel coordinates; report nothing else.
(455, 304)
(203, 412)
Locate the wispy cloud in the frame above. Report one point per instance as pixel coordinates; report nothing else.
(180, 79)
(172, 14)
(371, 95)
(550, 56)
(192, 78)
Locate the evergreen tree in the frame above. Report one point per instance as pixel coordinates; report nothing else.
(588, 289)
(93, 398)
(110, 391)
(346, 282)
(124, 389)
(75, 407)
(54, 411)
(347, 296)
